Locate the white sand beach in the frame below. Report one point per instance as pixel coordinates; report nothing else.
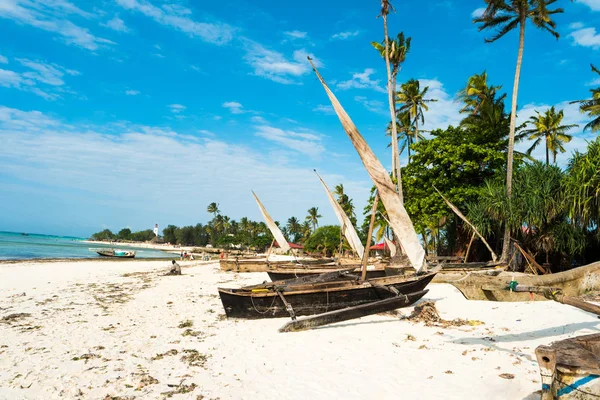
(121, 330)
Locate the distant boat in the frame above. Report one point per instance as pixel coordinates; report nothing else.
(116, 253)
(24, 234)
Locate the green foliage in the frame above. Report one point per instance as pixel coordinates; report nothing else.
(548, 126)
(592, 106)
(103, 235)
(456, 161)
(325, 239)
(124, 234)
(582, 187)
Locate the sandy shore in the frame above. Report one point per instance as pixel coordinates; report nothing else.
(92, 330)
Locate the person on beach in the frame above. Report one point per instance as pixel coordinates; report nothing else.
(175, 268)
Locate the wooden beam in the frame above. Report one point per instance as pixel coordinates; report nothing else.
(363, 276)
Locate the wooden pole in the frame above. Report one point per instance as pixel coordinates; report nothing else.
(363, 276)
(469, 247)
(269, 251)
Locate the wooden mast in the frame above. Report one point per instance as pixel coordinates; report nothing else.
(363, 275)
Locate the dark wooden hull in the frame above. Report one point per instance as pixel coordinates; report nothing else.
(256, 302)
(281, 274)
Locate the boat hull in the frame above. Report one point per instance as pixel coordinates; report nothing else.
(128, 254)
(282, 274)
(315, 299)
(480, 286)
(570, 368)
(250, 265)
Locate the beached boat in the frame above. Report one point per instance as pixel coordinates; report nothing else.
(570, 368)
(280, 274)
(308, 298)
(485, 286)
(116, 253)
(337, 299)
(264, 265)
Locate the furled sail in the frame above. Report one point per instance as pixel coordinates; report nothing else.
(399, 219)
(345, 223)
(277, 234)
(390, 245)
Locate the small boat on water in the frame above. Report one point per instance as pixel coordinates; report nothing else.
(116, 253)
(570, 368)
(323, 294)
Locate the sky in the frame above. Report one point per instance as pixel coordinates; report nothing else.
(127, 113)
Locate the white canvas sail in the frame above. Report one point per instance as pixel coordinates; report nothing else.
(277, 234)
(345, 223)
(399, 218)
(390, 245)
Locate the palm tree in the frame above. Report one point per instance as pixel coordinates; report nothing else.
(305, 230)
(394, 52)
(213, 208)
(414, 103)
(313, 217)
(548, 126)
(592, 106)
(405, 129)
(339, 191)
(504, 16)
(294, 227)
(477, 93)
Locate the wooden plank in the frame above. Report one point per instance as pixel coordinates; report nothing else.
(352, 312)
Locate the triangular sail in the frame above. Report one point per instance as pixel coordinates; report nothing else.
(399, 219)
(345, 223)
(277, 234)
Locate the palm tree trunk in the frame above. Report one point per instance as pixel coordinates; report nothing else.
(511, 136)
(397, 152)
(417, 130)
(408, 147)
(547, 156)
(395, 159)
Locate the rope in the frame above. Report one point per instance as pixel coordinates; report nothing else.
(268, 308)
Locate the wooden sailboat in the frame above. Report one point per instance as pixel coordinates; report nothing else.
(348, 231)
(116, 253)
(342, 299)
(263, 265)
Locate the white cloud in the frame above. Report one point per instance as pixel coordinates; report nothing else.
(295, 34)
(304, 143)
(275, 66)
(36, 76)
(177, 108)
(571, 116)
(178, 17)
(576, 25)
(443, 112)
(41, 153)
(345, 35)
(325, 109)
(372, 105)
(586, 37)
(234, 107)
(132, 92)
(257, 119)
(3, 60)
(362, 80)
(116, 24)
(52, 16)
(478, 12)
(594, 82)
(593, 4)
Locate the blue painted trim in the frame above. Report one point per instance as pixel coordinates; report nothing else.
(545, 386)
(568, 389)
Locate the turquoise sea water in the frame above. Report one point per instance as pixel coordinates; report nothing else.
(17, 246)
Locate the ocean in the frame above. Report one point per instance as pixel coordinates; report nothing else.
(20, 246)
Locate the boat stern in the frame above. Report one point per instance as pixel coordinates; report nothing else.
(546, 357)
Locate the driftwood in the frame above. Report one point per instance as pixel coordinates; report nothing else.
(557, 295)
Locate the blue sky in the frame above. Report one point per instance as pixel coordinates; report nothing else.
(131, 112)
